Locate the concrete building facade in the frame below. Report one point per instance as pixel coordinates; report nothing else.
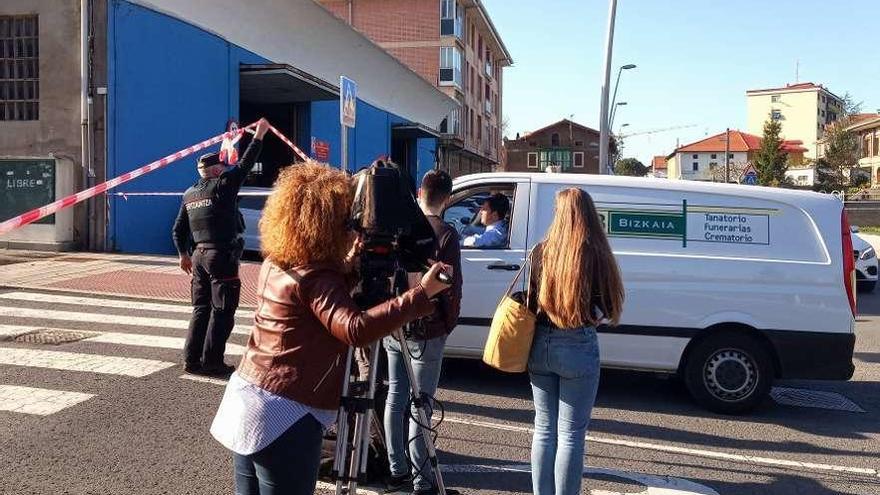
(705, 160)
(166, 74)
(803, 109)
(40, 132)
(565, 146)
(867, 132)
(454, 45)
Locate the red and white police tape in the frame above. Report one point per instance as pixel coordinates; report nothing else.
(51, 208)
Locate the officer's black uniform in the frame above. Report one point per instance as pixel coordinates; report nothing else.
(210, 224)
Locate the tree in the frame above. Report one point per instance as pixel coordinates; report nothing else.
(771, 161)
(836, 169)
(631, 167)
(718, 172)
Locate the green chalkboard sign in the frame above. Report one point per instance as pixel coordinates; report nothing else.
(25, 185)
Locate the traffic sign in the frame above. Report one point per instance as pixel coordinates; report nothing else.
(347, 101)
(749, 176)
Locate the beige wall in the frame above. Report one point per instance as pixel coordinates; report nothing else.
(800, 116)
(57, 132)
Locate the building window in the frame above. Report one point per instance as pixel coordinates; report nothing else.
(554, 139)
(730, 155)
(578, 159)
(823, 113)
(19, 68)
(532, 160)
(712, 165)
(578, 143)
(696, 166)
(776, 115)
(451, 18)
(555, 158)
(877, 146)
(479, 129)
(695, 156)
(450, 66)
(774, 98)
(823, 98)
(714, 156)
(532, 144)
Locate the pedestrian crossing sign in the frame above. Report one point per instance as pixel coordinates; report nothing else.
(347, 101)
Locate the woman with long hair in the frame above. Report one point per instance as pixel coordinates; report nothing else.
(574, 285)
(286, 389)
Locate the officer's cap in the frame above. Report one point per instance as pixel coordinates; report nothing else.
(209, 159)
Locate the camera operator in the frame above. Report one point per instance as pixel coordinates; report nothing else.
(426, 343)
(287, 388)
(209, 216)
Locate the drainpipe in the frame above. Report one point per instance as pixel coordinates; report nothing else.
(84, 109)
(351, 12)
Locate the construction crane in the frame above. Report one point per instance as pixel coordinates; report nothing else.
(655, 131)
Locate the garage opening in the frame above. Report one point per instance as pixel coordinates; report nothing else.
(282, 94)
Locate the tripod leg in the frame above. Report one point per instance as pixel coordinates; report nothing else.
(422, 415)
(342, 447)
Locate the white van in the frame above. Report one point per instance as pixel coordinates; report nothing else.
(728, 286)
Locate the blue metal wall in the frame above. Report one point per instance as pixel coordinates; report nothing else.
(172, 85)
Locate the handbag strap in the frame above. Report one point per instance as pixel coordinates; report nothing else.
(528, 261)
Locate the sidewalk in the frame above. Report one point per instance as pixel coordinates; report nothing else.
(154, 277)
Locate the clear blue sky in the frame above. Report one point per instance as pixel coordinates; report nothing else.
(696, 59)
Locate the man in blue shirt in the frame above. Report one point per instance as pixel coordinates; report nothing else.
(493, 214)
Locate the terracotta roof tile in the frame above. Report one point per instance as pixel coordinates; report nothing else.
(659, 162)
(739, 142)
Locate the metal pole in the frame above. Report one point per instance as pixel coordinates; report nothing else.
(604, 166)
(344, 149)
(614, 98)
(727, 156)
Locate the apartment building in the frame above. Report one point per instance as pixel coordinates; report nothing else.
(453, 45)
(705, 160)
(563, 146)
(803, 109)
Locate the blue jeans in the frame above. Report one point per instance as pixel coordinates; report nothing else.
(564, 371)
(287, 466)
(427, 358)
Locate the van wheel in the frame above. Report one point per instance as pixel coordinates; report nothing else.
(728, 373)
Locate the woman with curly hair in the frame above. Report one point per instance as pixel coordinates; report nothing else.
(287, 387)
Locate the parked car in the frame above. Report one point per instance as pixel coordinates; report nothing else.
(866, 263)
(251, 201)
(731, 287)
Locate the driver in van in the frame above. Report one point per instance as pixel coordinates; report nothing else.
(493, 215)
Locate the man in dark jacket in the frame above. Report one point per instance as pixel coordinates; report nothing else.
(426, 344)
(210, 225)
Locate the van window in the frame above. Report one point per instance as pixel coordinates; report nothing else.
(463, 212)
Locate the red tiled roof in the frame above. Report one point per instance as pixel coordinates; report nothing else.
(563, 121)
(659, 162)
(739, 142)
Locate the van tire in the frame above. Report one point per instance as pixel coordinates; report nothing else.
(729, 373)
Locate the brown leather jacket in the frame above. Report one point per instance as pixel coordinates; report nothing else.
(305, 321)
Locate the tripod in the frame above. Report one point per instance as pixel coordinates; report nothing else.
(350, 461)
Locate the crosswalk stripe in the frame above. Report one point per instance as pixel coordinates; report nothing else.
(137, 339)
(139, 321)
(73, 361)
(39, 401)
(106, 303)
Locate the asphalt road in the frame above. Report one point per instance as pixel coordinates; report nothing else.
(92, 423)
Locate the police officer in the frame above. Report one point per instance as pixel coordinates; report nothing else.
(210, 225)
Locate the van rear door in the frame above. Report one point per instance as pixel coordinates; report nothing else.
(487, 271)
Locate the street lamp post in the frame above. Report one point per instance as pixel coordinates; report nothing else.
(614, 114)
(616, 84)
(606, 81)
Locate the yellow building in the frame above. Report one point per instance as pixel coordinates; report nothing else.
(803, 110)
(868, 133)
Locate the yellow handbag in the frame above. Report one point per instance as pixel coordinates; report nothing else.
(510, 337)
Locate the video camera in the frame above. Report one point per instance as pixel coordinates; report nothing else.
(396, 235)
